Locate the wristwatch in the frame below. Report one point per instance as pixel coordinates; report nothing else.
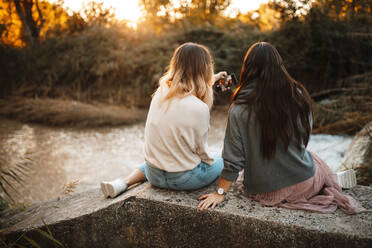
(221, 191)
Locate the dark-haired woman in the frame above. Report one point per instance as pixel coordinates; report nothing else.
(269, 124)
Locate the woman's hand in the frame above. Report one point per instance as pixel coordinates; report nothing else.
(221, 79)
(218, 76)
(210, 200)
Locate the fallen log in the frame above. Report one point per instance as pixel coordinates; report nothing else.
(348, 126)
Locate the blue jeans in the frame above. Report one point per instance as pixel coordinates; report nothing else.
(201, 176)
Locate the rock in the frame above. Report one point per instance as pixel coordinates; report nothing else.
(359, 155)
(147, 216)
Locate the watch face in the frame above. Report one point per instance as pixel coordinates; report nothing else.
(220, 191)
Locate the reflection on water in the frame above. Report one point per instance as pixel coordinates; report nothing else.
(65, 155)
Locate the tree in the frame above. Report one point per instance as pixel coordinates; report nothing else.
(290, 9)
(265, 18)
(31, 24)
(196, 12)
(11, 26)
(341, 9)
(204, 10)
(16, 32)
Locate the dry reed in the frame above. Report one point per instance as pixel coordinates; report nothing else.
(70, 187)
(56, 112)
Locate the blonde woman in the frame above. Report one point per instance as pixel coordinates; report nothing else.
(176, 132)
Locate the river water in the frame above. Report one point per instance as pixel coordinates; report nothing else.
(70, 160)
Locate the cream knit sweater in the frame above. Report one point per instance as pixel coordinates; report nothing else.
(176, 134)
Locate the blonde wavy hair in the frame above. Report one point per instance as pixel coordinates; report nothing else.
(190, 72)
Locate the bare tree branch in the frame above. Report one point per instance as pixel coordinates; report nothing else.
(33, 26)
(40, 16)
(21, 14)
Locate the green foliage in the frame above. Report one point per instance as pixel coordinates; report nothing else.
(97, 63)
(162, 14)
(96, 59)
(290, 10)
(227, 47)
(324, 45)
(112, 64)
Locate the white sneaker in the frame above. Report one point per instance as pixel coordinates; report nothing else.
(346, 179)
(113, 188)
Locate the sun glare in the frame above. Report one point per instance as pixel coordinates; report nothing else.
(126, 10)
(130, 10)
(243, 6)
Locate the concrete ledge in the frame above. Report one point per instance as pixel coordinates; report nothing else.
(150, 217)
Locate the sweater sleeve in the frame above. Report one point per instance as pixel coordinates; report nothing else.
(233, 152)
(201, 136)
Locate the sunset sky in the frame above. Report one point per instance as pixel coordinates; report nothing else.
(130, 10)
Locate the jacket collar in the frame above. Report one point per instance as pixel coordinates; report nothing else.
(245, 91)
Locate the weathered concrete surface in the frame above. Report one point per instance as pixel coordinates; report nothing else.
(150, 217)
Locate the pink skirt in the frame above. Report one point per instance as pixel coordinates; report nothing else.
(320, 193)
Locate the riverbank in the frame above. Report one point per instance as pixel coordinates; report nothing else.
(341, 110)
(59, 112)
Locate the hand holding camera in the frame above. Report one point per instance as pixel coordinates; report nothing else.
(224, 82)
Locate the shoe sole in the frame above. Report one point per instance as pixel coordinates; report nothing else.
(110, 190)
(346, 179)
(104, 189)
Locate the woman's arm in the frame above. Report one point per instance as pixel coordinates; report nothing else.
(212, 199)
(233, 159)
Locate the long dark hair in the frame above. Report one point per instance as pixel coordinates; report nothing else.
(277, 100)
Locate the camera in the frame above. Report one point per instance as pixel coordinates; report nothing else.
(225, 83)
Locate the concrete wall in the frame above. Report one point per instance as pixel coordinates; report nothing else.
(150, 217)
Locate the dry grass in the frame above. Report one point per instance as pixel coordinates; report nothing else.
(349, 123)
(348, 110)
(56, 112)
(70, 187)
